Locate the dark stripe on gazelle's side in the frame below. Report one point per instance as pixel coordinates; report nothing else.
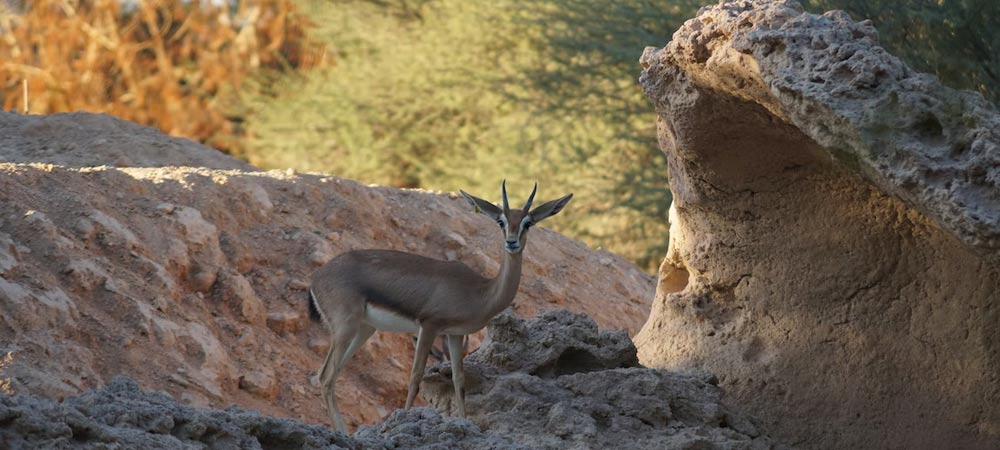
(378, 298)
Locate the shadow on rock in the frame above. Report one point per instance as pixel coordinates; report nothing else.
(556, 381)
(553, 382)
(121, 415)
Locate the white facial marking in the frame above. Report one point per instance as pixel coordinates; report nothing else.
(512, 238)
(526, 220)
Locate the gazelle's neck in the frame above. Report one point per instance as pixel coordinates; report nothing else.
(503, 288)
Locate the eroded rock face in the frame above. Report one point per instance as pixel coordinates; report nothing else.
(834, 234)
(558, 382)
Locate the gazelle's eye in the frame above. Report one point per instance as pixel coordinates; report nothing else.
(500, 222)
(527, 225)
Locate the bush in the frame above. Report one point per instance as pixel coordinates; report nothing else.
(453, 94)
(450, 94)
(159, 63)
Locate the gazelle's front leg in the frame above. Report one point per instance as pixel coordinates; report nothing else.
(425, 338)
(456, 347)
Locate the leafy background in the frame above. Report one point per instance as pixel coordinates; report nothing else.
(438, 94)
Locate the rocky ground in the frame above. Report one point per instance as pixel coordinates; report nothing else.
(125, 251)
(554, 382)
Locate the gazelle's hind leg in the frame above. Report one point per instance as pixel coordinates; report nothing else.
(438, 353)
(364, 332)
(343, 343)
(456, 346)
(328, 373)
(425, 338)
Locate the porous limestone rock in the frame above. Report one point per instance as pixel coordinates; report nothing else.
(557, 382)
(426, 429)
(121, 415)
(555, 343)
(835, 232)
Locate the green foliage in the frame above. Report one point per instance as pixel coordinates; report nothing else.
(957, 40)
(450, 94)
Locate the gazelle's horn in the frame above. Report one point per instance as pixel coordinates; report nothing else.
(531, 198)
(503, 187)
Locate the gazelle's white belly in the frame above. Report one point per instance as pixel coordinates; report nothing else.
(384, 319)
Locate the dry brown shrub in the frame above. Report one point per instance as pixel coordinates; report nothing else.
(163, 63)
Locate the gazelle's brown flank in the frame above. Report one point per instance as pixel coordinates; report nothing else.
(361, 291)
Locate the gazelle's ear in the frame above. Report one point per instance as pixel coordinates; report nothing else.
(483, 206)
(549, 209)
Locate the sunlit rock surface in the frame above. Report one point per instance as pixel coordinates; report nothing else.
(187, 270)
(835, 232)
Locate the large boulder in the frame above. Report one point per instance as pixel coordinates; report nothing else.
(835, 232)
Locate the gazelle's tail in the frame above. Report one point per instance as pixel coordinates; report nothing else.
(314, 313)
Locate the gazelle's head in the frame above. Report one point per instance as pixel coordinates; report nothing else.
(515, 222)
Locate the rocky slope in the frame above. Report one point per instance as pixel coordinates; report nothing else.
(835, 233)
(554, 382)
(191, 280)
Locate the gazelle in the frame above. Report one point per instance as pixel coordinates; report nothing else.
(361, 291)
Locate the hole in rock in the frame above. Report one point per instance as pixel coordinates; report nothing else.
(929, 128)
(81, 433)
(573, 360)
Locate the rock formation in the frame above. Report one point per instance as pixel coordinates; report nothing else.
(191, 280)
(121, 415)
(558, 382)
(835, 232)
